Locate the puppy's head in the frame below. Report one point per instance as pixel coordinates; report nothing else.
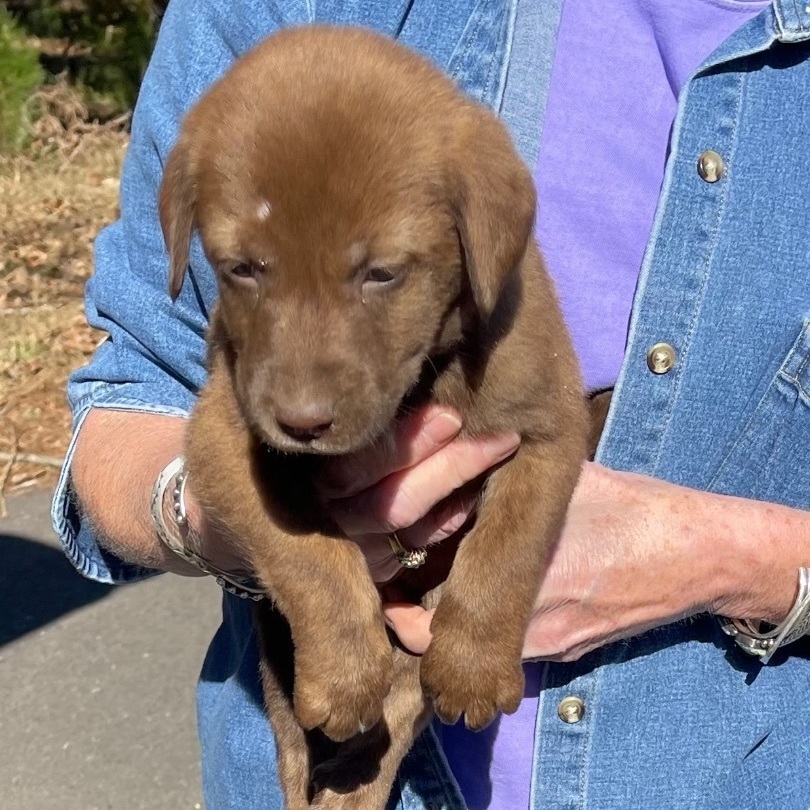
(351, 202)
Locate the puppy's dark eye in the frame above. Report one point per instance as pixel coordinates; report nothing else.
(379, 275)
(243, 270)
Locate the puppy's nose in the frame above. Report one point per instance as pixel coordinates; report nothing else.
(305, 422)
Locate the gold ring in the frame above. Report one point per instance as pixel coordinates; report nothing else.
(407, 558)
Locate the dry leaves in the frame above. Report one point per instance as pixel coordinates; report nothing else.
(54, 199)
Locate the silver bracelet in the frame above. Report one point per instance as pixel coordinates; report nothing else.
(749, 635)
(182, 541)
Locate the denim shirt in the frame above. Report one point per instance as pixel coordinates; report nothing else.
(676, 718)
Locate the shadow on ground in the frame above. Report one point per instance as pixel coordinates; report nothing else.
(37, 586)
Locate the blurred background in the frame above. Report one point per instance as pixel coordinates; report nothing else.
(97, 683)
(69, 75)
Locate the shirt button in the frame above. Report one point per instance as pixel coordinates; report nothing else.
(711, 167)
(661, 358)
(571, 709)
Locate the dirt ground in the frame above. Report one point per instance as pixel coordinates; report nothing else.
(54, 198)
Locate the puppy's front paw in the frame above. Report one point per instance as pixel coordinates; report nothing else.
(341, 689)
(470, 674)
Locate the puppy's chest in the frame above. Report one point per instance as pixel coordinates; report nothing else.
(288, 486)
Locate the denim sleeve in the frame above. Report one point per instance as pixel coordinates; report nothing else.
(153, 357)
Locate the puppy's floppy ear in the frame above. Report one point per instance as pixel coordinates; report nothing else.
(177, 205)
(494, 205)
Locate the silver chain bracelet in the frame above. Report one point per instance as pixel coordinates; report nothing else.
(749, 635)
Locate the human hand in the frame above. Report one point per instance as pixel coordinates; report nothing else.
(422, 484)
(419, 483)
(627, 560)
(636, 553)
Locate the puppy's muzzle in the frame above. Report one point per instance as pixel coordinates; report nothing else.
(305, 422)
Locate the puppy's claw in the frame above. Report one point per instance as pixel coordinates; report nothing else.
(344, 715)
(343, 697)
(444, 712)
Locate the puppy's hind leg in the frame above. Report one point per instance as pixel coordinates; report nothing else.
(277, 667)
(362, 772)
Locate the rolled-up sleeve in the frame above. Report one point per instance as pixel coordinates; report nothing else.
(153, 358)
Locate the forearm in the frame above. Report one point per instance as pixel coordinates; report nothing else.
(736, 557)
(638, 552)
(119, 455)
(764, 546)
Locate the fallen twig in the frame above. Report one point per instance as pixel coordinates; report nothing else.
(31, 458)
(18, 482)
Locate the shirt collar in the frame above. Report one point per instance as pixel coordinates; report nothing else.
(792, 20)
(783, 21)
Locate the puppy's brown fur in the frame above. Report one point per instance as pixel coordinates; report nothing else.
(371, 232)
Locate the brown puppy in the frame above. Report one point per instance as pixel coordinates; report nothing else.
(371, 231)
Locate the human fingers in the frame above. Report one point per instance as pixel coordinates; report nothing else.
(412, 440)
(437, 525)
(411, 623)
(442, 521)
(403, 498)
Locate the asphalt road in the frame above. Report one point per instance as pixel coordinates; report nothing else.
(96, 682)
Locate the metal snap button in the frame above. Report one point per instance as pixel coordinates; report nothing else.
(661, 358)
(571, 709)
(711, 166)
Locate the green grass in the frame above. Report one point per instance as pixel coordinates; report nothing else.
(20, 76)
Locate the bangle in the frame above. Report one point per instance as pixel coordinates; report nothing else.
(749, 635)
(182, 541)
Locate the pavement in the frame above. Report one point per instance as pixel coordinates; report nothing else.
(96, 682)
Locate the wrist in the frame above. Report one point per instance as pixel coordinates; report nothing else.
(167, 523)
(760, 549)
(175, 532)
(764, 639)
(118, 456)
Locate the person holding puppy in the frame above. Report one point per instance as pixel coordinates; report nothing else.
(669, 152)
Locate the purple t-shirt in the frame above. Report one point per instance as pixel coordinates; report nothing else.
(614, 87)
